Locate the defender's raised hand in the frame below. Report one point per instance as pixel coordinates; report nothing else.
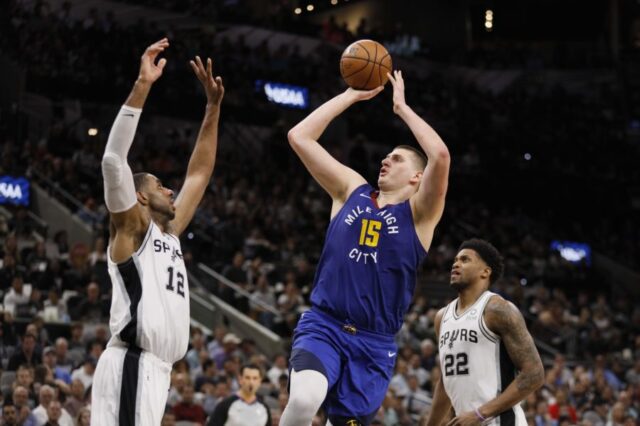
(212, 86)
(149, 70)
(398, 90)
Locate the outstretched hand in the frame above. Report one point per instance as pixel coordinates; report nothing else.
(212, 86)
(398, 90)
(149, 70)
(363, 95)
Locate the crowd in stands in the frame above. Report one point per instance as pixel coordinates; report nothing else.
(264, 221)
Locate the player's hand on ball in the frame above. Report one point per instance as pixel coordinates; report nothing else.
(363, 95)
(212, 86)
(149, 70)
(398, 90)
(465, 419)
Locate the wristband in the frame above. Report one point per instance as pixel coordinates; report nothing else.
(479, 416)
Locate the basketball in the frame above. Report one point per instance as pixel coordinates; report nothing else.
(364, 65)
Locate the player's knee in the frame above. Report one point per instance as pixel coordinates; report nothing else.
(304, 405)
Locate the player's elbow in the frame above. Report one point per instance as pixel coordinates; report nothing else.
(293, 136)
(442, 155)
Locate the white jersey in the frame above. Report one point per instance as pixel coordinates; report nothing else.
(475, 364)
(150, 303)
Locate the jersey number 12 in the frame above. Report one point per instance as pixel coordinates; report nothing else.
(179, 281)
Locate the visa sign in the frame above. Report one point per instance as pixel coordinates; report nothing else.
(286, 94)
(14, 190)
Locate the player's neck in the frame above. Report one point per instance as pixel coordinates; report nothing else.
(469, 296)
(393, 196)
(160, 220)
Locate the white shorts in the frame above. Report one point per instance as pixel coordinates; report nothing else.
(130, 388)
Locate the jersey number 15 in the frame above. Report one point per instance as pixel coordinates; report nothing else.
(370, 232)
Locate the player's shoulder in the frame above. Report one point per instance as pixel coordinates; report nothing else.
(500, 305)
(439, 316)
(501, 314)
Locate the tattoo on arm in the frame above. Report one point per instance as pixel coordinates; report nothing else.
(505, 319)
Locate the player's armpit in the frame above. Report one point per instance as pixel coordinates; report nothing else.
(504, 318)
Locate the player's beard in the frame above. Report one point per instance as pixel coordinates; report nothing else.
(459, 285)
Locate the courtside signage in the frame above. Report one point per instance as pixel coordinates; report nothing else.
(14, 190)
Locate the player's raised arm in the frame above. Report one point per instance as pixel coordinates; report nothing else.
(504, 319)
(337, 179)
(127, 217)
(441, 405)
(203, 156)
(428, 202)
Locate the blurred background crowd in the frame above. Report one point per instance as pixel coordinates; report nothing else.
(544, 142)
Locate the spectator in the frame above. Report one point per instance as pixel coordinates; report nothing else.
(26, 355)
(84, 373)
(41, 412)
(75, 399)
(243, 408)
(84, 417)
(178, 382)
(562, 407)
(91, 308)
(16, 297)
(9, 413)
(25, 379)
(21, 401)
(187, 410)
(197, 345)
(55, 415)
(278, 369)
(230, 344)
(64, 365)
(417, 402)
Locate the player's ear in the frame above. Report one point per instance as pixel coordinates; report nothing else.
(416, 177)
(486, 273)
(142, 198)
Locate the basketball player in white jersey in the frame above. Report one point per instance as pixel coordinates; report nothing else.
(150, 305)
(482, 341)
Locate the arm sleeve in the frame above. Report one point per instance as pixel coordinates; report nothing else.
(221, 412)
(119, 189)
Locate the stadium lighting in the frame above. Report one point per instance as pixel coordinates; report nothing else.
(297, 11)
(92, 131)
(488, 15)
(488, 25)
(310, 7)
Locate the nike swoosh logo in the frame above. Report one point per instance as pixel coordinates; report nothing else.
(128, 115)
(390, 354)
(365, 196)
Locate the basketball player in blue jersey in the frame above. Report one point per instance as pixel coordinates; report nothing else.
(343, 350)
(482, 341)
(149, 318)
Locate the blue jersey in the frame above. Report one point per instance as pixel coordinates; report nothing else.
(367, 271)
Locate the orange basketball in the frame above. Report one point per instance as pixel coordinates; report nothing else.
(364, 65)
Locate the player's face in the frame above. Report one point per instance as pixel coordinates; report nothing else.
(160, 198)
(398, 170)
(467, 268)
(250, 380)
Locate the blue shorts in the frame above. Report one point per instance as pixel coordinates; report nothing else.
(358, 365)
